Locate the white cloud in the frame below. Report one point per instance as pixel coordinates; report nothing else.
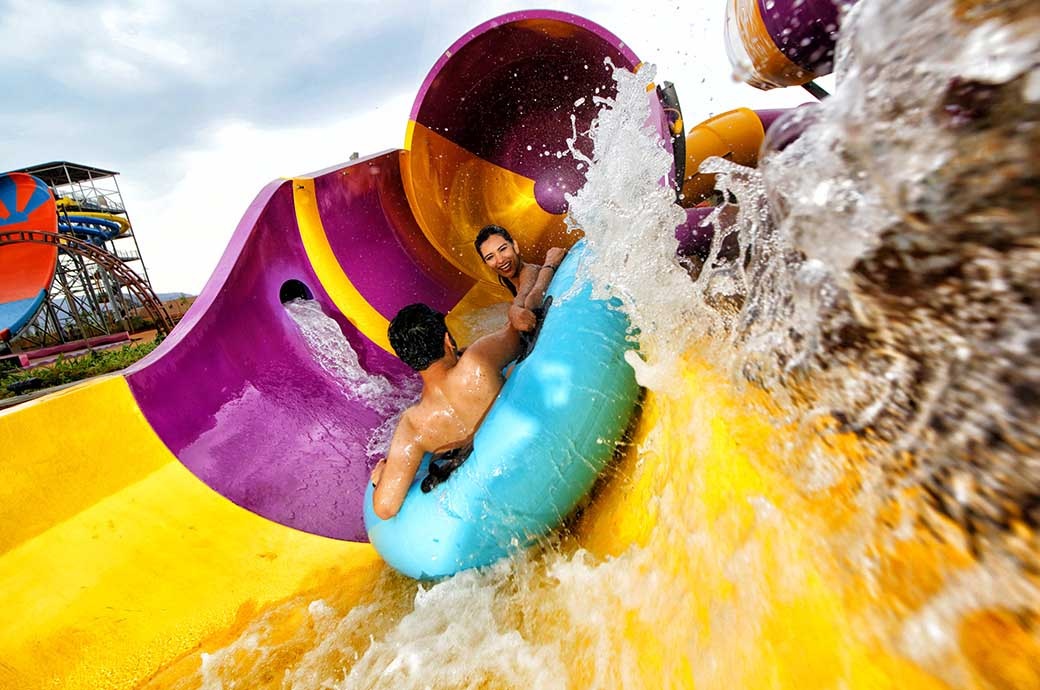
(111, 45)
(141, 35)
(28, 27)
(184, 229)
(103, 68)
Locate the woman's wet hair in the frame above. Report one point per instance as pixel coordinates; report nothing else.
(417, 335)
(489, 231)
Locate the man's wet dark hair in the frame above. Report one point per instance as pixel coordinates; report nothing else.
(417, 335)
(486, 232)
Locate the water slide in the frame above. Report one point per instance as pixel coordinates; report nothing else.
(93, 227)
(26, 270)
(219, 481)
(120, 222)
(99, 208)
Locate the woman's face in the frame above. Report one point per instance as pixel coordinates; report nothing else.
(501, 256)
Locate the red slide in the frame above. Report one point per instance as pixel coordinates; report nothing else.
(26, 269)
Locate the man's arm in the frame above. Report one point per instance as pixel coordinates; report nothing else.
(398, 470)
(494, 350)
(522, 318)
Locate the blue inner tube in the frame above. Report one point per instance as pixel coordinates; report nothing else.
(550, 432)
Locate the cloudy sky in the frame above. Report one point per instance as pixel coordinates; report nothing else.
(199, 104)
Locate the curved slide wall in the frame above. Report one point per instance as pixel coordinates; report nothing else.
(488, 134)
(234, 392)
(131, 513)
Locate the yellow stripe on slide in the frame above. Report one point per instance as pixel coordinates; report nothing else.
(130, 562)
(329, 271)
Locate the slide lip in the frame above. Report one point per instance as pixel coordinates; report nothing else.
(509, 18)
(217, 279)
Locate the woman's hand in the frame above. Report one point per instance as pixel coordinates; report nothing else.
(554, 257)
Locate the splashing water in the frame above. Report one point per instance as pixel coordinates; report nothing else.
(835, 480)
(335, 355)
(629, 218)
(894, 256)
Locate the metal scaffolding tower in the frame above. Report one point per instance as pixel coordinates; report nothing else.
(100, 285)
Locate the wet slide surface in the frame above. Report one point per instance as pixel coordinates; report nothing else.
(117, 559)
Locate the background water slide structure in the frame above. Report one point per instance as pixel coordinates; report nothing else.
(45, 250)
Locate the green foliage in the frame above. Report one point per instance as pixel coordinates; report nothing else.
(69, 369)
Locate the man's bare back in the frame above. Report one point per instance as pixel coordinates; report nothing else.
(457, 392)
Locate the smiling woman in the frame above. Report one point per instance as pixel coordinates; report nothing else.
(500, 252)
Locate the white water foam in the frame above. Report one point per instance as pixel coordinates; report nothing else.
(333, 352)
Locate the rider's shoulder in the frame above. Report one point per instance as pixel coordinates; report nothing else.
(473, 363)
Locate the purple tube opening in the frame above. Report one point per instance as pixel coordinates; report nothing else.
(506, 92)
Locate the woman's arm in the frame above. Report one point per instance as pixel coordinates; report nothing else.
(530, 289)
(536, 292)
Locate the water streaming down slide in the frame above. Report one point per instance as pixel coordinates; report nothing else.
(747, 538)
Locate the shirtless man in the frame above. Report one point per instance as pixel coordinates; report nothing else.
(527, 282)
(457, 391)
